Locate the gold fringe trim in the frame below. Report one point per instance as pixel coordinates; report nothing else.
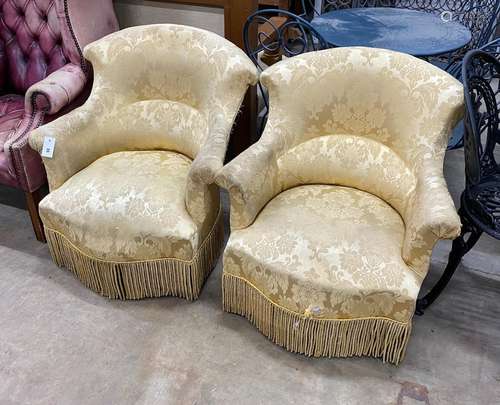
(141, 279)
(376, 337)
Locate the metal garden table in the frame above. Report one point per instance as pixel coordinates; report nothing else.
(414, 32)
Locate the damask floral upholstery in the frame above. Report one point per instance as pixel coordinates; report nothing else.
(133, 209)
(336, 210)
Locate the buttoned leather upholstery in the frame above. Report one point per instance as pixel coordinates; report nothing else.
(42, 73)
(34, 47)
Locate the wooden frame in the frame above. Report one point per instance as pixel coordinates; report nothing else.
(282, 4)
(236, 13)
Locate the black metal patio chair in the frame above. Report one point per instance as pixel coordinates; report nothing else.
(480, 202)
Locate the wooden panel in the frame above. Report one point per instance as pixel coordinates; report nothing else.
(282, 4)
(140, 12)
(235, 14)
(245, 130)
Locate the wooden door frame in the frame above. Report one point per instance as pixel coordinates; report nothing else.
(236, 13)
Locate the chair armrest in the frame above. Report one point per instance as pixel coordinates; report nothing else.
(23, 161)
(252, 180)
(77, 143)
(48, 96)
(431, 217)
(222, 104)
(210, 159)
(56, 91)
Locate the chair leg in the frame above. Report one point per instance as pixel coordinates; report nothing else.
(32, 201)
(461, 246)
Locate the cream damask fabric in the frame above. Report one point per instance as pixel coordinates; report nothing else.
(328, 250)
(163, 86)
(336, 210)
(127, 206)
(132, 174)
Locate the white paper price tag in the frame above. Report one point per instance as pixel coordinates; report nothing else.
(49, 144)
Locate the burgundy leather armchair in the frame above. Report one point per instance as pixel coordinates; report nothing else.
(43, 74)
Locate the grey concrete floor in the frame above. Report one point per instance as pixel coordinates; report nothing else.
(62, 344)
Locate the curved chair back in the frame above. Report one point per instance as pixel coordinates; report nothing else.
(492, 47)
(481, 75)
(280, 35)
(480, 16)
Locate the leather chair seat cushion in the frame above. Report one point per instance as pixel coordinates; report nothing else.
(11, 113)
(329, 251)
(127, 206)
(6, 178)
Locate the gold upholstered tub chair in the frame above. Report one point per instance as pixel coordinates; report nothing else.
(133, 209)
(336, 210)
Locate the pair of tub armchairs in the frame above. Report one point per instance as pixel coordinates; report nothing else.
(334, 211)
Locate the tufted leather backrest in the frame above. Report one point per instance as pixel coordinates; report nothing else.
(3, 65)
(36, 39)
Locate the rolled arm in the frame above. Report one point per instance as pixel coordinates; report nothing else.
(431, 217)
(210, 159)
(77, 144)
(56, 91)
(222, 106)
(252, 180)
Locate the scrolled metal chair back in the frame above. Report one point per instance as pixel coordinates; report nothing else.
(481, 76)
(329, 5)
(295, 36)
(291, 36)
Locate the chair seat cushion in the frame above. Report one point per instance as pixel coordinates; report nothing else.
(482, 203)
(329, 252)
(126, 206)
(11, 113)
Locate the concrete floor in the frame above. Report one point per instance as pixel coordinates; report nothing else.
(62, 344)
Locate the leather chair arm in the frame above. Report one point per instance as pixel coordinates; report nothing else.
(56, 91)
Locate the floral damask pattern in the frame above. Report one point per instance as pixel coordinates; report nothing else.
(349, 160)
(156, 88)
(134, 200)
(318, 247)
(376, 122)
